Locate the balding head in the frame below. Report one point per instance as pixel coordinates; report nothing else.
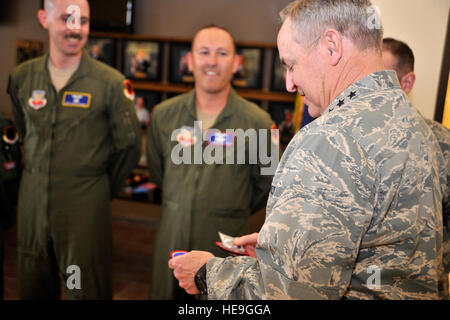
(67, 22)
(48, 5)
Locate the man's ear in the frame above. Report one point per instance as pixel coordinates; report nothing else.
(332, 46)
(407, 82)
(42, 17)
(190, 61)
(238, 61)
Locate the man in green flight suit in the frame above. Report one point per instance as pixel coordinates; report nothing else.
(10, 169)
(81, 140)
(202, 197)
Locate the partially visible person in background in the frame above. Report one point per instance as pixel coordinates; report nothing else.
(399, 57)
(142, 112)
(10, 171)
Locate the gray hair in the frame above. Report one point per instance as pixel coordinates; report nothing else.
(352, 18)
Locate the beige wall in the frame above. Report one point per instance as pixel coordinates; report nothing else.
(247, 20)
(422, 24)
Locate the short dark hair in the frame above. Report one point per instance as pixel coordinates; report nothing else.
(404, 54)
(214, 26)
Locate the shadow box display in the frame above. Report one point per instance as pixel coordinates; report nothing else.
(179, 71)
(249, 73)
(142, 60)
(102, 49)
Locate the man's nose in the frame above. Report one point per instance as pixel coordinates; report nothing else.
(290, 85)
(212, 59)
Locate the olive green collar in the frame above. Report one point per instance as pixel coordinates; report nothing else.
(82, 70)
(228, 111)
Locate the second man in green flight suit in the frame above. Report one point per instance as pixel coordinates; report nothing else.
(201, 199)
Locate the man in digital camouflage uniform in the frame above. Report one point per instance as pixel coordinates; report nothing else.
(201, 199)
(81, 140)
(10, 169)
(398, 56)
(355, 204)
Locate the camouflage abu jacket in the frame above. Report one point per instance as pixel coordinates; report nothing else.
(355, 207)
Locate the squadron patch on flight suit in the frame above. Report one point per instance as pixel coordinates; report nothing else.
(37, 100)
(186, 136)
(128, 90)
(76, 99)
(275, 134)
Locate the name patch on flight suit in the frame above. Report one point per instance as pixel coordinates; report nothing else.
(217, 138)
(76, 99)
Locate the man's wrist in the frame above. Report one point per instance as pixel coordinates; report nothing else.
(200, 280)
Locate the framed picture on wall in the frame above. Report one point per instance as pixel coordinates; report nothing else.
(249, 74)
(178, 69)
(278, 74)
(142, 60)
(28, 49)
(282, 114)
(102, 49)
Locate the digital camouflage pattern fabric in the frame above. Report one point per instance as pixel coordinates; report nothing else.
(361, 186)
(443, 136)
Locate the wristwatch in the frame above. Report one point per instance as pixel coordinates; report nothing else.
(200, 280)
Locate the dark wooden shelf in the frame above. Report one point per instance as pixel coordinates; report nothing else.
(264, 95)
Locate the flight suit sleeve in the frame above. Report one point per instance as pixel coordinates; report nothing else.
(126, 135)
(262, 173)
(318, 212)
(16, 107)
(155, 160)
